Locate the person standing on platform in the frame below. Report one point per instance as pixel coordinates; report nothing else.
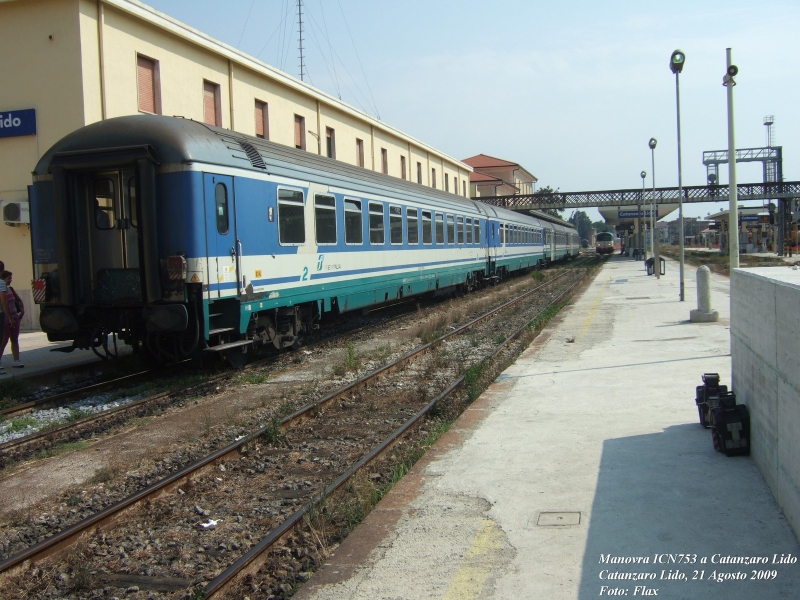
(13, 311)
(3, 307)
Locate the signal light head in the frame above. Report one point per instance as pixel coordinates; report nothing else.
(677, 61)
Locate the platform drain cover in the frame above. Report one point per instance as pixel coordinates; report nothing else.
(558, 519)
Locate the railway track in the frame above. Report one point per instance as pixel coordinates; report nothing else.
(278, 446)
(88, 426)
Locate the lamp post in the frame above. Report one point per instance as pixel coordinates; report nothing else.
(642, 232)
(676, 62)
(653, 208)
(733, 215)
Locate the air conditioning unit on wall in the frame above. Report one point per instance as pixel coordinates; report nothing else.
(15, 213)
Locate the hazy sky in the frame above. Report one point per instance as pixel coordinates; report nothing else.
(571, 90)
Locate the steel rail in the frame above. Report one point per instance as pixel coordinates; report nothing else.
(243, 564)
(71, 534)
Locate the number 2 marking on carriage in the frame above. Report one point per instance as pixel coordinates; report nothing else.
(304, 276)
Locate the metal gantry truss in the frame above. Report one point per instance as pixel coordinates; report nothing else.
(771, 157)
(691, 194)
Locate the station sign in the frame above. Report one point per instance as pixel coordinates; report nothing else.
(744, 218)
(634, 214)
(15, 123)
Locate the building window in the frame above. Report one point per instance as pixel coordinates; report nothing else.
(419, 172)
(403, 167)
(330, 142)
(464, 187)
(433, 178)
(413, 227)
(262, 120)
(376, 235)
(353, 233)
(446, 183)
(384, 161)
(212, 106)
(291, 217)
(359, 152)
(299, 132)
(148, 79)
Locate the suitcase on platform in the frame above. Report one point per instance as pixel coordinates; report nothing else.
(707, 397)
(730, 426)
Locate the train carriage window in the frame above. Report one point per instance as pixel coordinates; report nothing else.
(477, 231)
(395, 225)
(221, 208)
(427, 230)
(413, 227)
(105, 194)
(502, 233)
(451, 227)
(353, 230)
(376, 225)
(291, 217)
(460, 229)
(325, 219)
(469, 231)
(439, 228)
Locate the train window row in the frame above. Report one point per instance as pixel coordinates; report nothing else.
(424, 225)
(519, 234)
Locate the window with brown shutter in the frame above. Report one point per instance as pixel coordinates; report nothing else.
(262, 120)
(403, 167)
(299, 132)
(446, 183)
(212, 112)
(359, 152)
(433, 178)
(384, 161)
(148, 85)
(419, 172)
(330, 142)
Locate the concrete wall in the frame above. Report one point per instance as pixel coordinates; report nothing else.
(765, 346)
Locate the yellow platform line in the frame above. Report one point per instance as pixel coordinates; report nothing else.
(587, 322)
(478, 563)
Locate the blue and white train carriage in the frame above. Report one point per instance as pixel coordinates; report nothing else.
(179, 237)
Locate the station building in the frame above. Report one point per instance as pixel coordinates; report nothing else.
(498, 177)
(69, 63)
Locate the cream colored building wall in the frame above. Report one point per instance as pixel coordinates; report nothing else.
(347, 130)
(44, 74)
(395, 148)
(418, 155)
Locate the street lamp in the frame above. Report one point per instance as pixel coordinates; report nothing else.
(642, 232)
(733, 215)
(653, 208)
(676, 62)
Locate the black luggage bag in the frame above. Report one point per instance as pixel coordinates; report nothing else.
(707, 397)
(730, 426)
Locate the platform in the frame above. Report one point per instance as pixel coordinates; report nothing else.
(35, 353)
(583, 464)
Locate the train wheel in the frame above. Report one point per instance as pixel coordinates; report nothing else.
(236, 357)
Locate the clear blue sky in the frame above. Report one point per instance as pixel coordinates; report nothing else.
(571, 90)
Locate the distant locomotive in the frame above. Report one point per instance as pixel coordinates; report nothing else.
(179, 237)
(607, 243)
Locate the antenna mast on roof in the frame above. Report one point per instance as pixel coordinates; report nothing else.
(300, 20)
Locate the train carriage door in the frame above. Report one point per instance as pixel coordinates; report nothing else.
(221, 244)
(552, 244)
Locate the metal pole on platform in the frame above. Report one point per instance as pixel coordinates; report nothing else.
(653, 208)
(733, 215)
(677, 60)
(643, 231)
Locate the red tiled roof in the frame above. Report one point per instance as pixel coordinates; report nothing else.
(478, 177)
(484, 161)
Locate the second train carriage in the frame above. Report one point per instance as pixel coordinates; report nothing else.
(178, 236)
